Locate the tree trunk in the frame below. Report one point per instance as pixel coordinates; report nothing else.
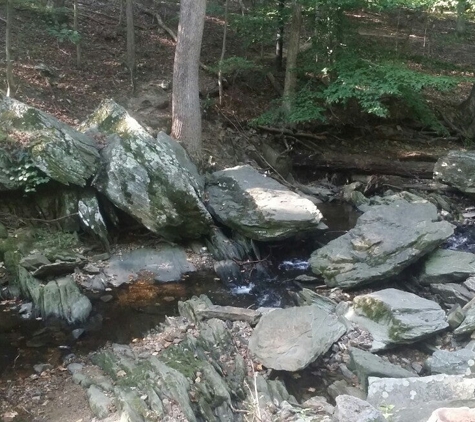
(279, 43)
(129, 12)
(461, 22)
(78, 44)
(466, 115)
(186, 114)
(8, 42)
(292, 53)
(223, 52)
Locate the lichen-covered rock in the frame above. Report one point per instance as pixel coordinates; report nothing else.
(91, 217)
(259, 207)
(385, 240)
(153, 180)
(58, 150)
(395, 317)
(457, 169)
(458, 362)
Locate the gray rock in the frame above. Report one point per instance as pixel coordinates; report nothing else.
(456, 169)
(353, 409)
(395, 317)
(385, 240)
(41, 367)
(91, 217)
(290, 339)
(34, 260)
(58, 268)
(165, 262)
(75, 367)
(231, 313)
(309, 297)
(58, 150)
(153, 180)
(224, 248)
(91, 269)
(366, 364)
(468, 324)
(99, 403)
(259, 207)
(319, 404)
(3, 230)
(61, 298)
(453, 414)
(452, 293)
(459, 362)
(455, 316)
(469, 283)
(341, 387)
(414, 399)
(446, 266)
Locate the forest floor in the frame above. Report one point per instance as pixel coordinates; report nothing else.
(426, 43)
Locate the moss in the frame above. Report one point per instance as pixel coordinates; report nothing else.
(183, 361)
(373, 309)
(396, 331)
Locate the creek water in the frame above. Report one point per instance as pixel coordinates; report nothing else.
(137, 308)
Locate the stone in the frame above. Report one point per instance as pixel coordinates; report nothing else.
(34, 260)
(91, 217)
(340, 387)
(353, 409)
(452, 293)
(58, 268)
(454, 414)
(3, 232)
(153, 180)
(75, 367)
(41, 367)
(468, 324)
(456, 169)
(455, 316)
(91, 269)
(229, 272)
(414, 399)
(447, 266)
(366, 364)
(259, 207)
(99, 403)
(62, 153)
(459, 362)
(306, 297)
(224, 248)
(292, 338)
(320, 404)
(385, 240)
(395, 317)
(231, 313)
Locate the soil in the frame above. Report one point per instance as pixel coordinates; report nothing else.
(71, 93)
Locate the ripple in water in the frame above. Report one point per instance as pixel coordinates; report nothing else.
(294, 264)
(463, 239)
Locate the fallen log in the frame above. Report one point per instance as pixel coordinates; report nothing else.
(365, 164)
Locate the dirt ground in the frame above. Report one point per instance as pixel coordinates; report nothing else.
(72, 93)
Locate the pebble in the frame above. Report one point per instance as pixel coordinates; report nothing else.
(107, 298)
(75, 367)
(41, 367)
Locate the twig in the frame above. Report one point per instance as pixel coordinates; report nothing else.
(289, 132)
(42, 220)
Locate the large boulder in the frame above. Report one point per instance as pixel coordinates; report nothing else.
(55, 148)
(259, 207)
(151, 179)
(457, 169)
(445, 266)
(385, 240)
(290, 339)
(395, 317)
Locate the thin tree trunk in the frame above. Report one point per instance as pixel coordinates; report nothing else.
(8, 42)
(223, 52)
(279, 43)
(292, 53)
(78, 44)
(186, 114)
(461, 22)
(129, 11)
(121, 12)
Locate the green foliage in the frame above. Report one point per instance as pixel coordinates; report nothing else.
(370, 83)
(63, 33)
(23, 170)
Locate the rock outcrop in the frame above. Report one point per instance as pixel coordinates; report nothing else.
(457, 169)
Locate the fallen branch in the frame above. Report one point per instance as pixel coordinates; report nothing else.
(275, 84)
(290, 133)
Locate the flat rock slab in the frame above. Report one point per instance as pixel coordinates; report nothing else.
(457, 169)
(414, 399)
(446, 266)
(166, 263)
(292, 338)
(468, 324)
(231, 313)
(353, 409)
(259, 207)
(459, 362)
(395, 317)
(385, 240)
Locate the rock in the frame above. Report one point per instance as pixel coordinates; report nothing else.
(468, 324)
(306, 297)
(259, 207)
(320, 404)
(91, 269)
(61, 298)
(34, 260)
(55, 148)
(395, 317)
(91, 217)
(224, 248)
(167, 263)
(99, 403)
(452, 293)
(456, 169)
(385, 240)
(77, 332)
(353, 409)
(454, 414)
(228, 272)
(459, 362)
(366, 364)
(231, 313)
(75, 367)
(58, 268)
(414, 399)
(3, 229)
(290, 339)
(341, 387)
(41, 367)
(153, 180)
(446, 266)
(106, 298)
(455, 316)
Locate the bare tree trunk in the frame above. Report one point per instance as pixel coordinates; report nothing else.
(186, 114)
(121, 12)
(223, 52)
(461, 21)
(8, 44)
(78, 44)
(129, 12)
(292, 53)
(279, 42)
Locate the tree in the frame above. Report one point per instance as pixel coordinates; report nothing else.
(129, 12)
(8, 42)
(76, 29)
(186, 115)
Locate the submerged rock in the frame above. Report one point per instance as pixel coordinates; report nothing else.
(395, 317)
(55, 148)
(259, 207)
(153, 180)
(457, 169)
(290, 339)
(385, 240)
